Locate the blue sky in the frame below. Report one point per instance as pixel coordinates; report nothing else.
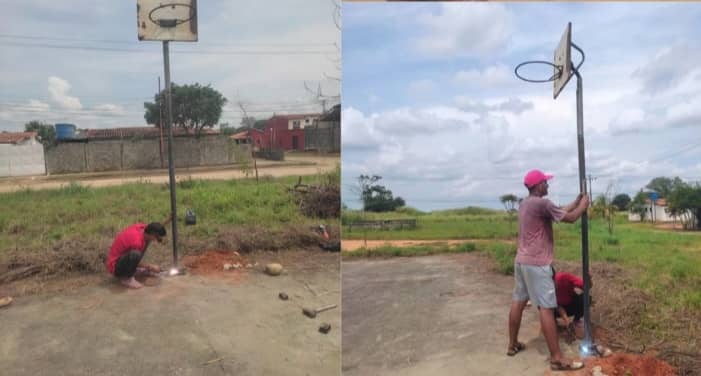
(432, 105)
(51, 69)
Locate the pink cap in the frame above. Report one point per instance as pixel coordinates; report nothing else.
(535, 177)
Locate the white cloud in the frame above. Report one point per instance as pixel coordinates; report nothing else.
(357, 130)
(511, 105)
(488, 77)
(668, 68)
(36, 105)
(109, 107)
(468, 30)
(58, 91)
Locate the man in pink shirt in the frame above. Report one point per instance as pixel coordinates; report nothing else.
(533, 272)
(129, 247)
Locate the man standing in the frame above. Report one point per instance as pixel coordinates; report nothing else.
(128, 249)
(533, 272)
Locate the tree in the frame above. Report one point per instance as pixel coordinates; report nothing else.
(604, 208)
(46, 132)
(375, 197)
(621, 201)
(194, 107)
(663, 185)
(685, 202)
(509, 201)
(638, 204)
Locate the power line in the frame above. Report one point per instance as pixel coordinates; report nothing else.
(153, 51)
(134, 42)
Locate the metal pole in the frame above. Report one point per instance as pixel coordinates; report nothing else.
(171, 167)
(588, 337)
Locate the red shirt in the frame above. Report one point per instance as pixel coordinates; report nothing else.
(130, 239)
(564, 287)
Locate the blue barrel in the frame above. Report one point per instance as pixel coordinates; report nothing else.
(65, 131)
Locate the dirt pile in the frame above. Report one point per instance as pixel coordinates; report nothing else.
(620, 364)
(625, 310)
(318, 201)
(212, 263)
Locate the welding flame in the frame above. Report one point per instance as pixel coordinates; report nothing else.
(173, 271)
(585, 350)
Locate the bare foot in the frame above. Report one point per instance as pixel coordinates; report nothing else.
(131, 283)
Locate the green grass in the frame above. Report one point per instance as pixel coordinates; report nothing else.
(468, 223)
(34, 219)
(663, 263)
(412, 251)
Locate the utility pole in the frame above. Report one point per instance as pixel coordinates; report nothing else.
(160, 122)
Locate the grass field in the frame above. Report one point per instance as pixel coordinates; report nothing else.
(34, 220)
(664, 263)
(465, 223)
(647, 279)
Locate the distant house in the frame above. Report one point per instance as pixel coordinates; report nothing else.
(136, 132)
(284, 132)
(656, 212)
(240, 137)
(325, 134)
(21, 154)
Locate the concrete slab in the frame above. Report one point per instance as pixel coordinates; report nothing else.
(436, 315)
(187, 325)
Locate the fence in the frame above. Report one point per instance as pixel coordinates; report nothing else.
(385, 224)
(142, 153)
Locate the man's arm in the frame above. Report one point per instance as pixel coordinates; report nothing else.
(563, 315)
(168, 220)
(573, 205)
(573, 215)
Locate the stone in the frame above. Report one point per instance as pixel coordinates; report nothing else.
(273, 269)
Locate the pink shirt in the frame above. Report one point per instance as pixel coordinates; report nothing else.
(535, 234)
(131, 238)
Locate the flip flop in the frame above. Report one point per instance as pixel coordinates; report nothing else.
(560, 366)
(603, 351)
(5, 301)
(515, 349)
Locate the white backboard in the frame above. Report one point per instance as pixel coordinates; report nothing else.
(174, 20)
(563, 60)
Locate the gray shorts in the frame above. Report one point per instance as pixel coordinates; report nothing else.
(535, 283)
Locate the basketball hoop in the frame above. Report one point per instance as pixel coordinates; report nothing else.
(167, 20)
(557, 69)
(555, 76)
(171, 22)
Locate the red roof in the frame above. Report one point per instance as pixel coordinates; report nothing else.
(138, 132)
(16, 137)
(658, 202)
(240, 136)
(297, 116)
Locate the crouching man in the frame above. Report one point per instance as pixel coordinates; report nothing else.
(129, 248)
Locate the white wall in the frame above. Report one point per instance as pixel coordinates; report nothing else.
(306, 122)
(658, 211)
(22, 160)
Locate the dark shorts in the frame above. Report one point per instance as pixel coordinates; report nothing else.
(125, 267)
(575, 308)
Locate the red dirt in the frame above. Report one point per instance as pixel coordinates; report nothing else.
(211, 263)
(620, 364)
